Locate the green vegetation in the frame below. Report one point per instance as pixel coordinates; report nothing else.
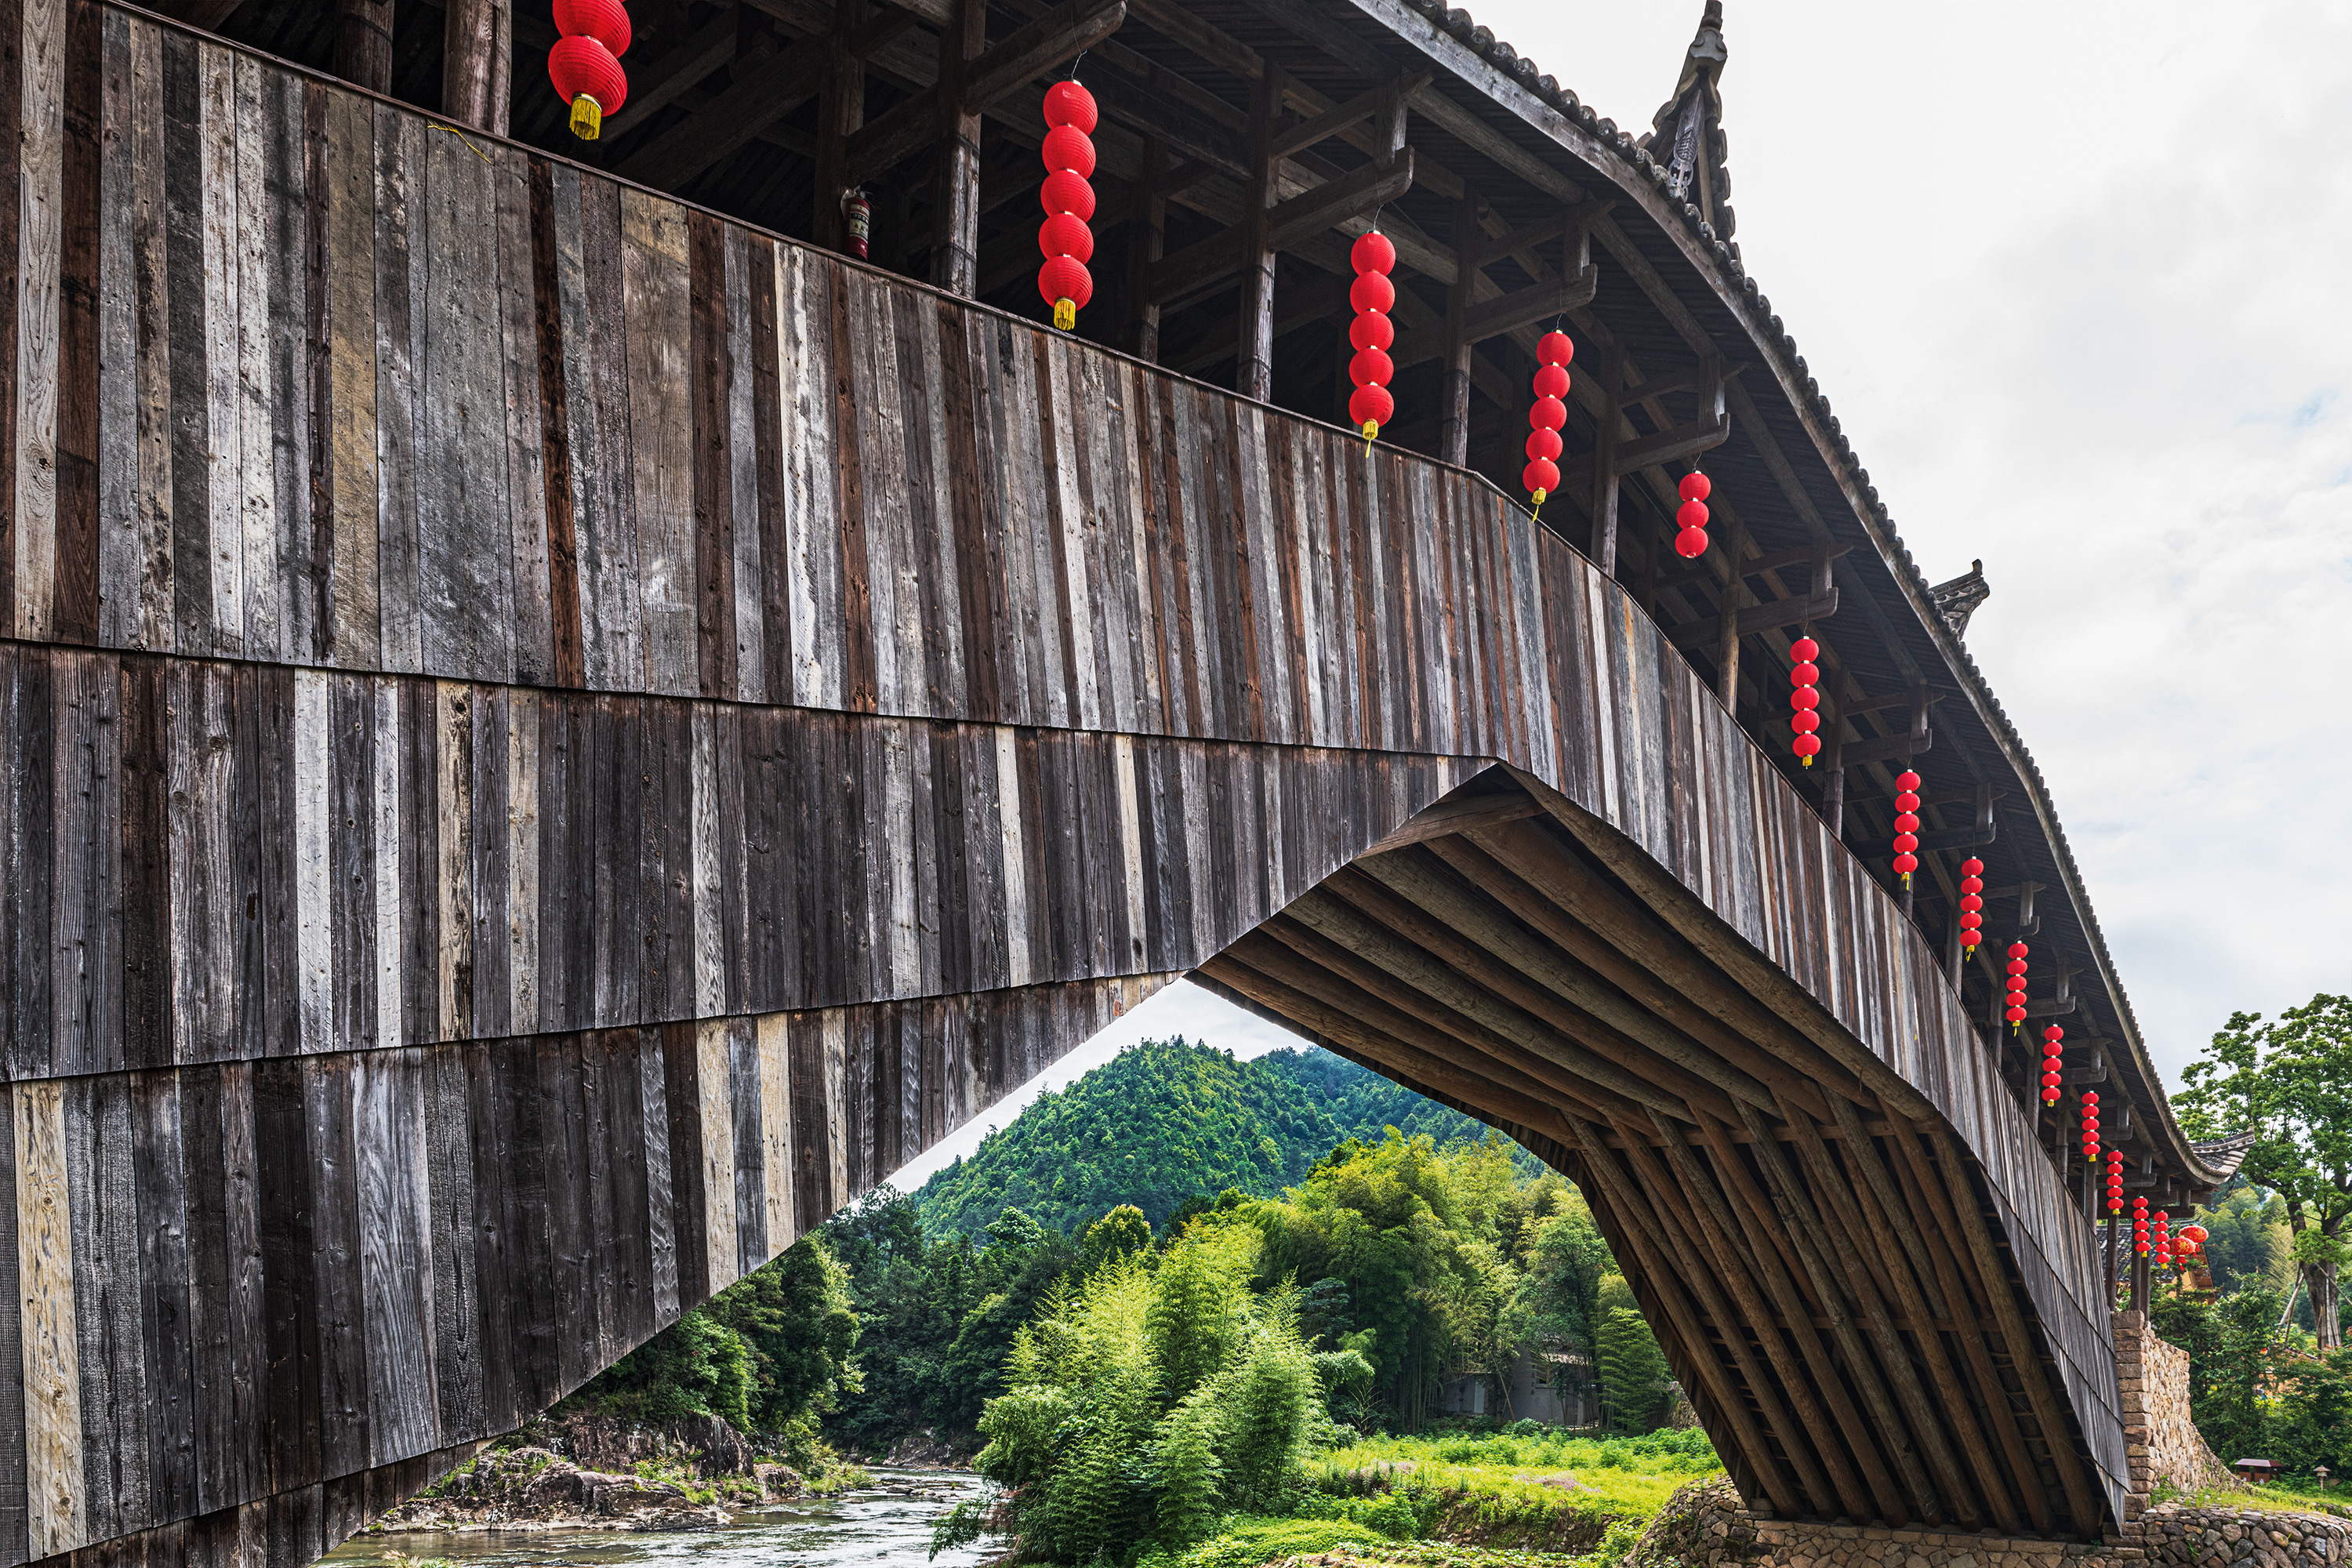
(770, 1356)
(2291, 1081)
(1168, 1120)
(2268, 1373)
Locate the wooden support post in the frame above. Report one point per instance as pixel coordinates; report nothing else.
(478, 64)
(1600, 504)
(1833, 757)
(841, 111)
(955, 208)
(363, 43)
(1734, 599)
(1147, 238)
(1454, 415)
(1253, 361)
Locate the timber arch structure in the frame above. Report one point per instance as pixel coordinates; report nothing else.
(554, 736)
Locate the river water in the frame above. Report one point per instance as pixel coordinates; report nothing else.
(888, 1522)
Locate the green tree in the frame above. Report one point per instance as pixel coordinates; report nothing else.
(2291, 1081)
(1633, 1370)
(1122, 1233)
(2247, 1240)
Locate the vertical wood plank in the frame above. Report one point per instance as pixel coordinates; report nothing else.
(465, 530)
(518, 366)
(224, 299)
(399, 314)
(57, 1495)
(656, 300)
(40, 243)
(74, 610)
(349, 409)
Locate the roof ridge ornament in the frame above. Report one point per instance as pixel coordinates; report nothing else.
(1686, 136)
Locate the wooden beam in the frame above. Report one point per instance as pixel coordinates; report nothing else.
(478, 64)
(662, 82)
(955, 206)
(1145, 241)
(1600, 466)
(1457, 817)
(755, 101)
(841, 113)
(362, 38)
(1527, 306)
(1869, 1252)
(1040, 46)
(1883, 1377)
(1453, 406)
(1888, 748)
(1409, 966)
(1354, 111)
(1672, 1282)
(2083, 1501)
(1206, 263)
(210, 14)
(1255, 247)
(1921, 1193)
(1742, 1272)
(1796, 610)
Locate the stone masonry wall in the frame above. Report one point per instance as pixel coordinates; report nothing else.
(2160, 1441)
(1704, 1527)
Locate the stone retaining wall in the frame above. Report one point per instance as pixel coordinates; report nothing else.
(2159, 1441)
(1704, 1527)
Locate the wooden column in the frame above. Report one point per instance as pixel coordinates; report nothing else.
(955, 230)
(363, 43)
(1253, 361)
(1600, 503)
(1454, 415)
(478, 64)
(1147, 239)
(841, 110)
(1734, 599)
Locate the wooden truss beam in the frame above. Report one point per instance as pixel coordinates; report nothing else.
(1207, 264)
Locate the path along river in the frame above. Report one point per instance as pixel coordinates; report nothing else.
(887, 1522)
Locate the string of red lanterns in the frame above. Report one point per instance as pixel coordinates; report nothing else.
(2016, 983)
(1372, 297)
(2114, 1181)
(2090, 1126)
(1068, 198)
(1906, 823)
(2161, 1248)
(1805, 698)
(2187, 1243)
(1547, 415)
(1691, 542)
(1971, 904)
(2139, 1229)
(2053, 1064)
(585, 63)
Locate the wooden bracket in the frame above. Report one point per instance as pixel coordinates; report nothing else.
(1795, 610)
(2097, 1072)
(1036, 46)
(1205, 264)
(1332, 122)
(1537, 302)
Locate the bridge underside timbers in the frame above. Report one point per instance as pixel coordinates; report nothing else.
(1824, 1271)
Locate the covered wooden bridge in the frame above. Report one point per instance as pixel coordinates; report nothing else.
(557, 728)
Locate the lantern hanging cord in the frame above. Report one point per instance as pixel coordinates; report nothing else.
(477, 151)
(1074, 64)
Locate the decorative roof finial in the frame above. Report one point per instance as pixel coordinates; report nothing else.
(1686, 134)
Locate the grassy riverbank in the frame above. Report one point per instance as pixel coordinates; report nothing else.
(1545, 1500)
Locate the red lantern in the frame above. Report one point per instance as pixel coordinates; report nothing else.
(2114, 1181)
(2139, 1226)
(2161, 1225)
(1691, 542)
(1373, 296)
(585, 63)
(1064, 239)
(2194, 1235)
(2052, 1062)
(1971, 902)
(2090, 1126)
(1906, 823)
(1541, 474)
(1805, 696)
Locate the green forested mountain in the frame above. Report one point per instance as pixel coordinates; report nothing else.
(1169, 1120)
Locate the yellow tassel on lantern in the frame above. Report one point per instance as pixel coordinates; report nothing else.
(1371, 428)
(1066, 315)
(587, 117)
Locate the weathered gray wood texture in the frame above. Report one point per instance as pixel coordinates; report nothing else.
(518, 618)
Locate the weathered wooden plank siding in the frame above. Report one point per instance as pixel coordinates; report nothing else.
(690, 626)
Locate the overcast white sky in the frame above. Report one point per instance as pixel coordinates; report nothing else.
(2073, 277)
